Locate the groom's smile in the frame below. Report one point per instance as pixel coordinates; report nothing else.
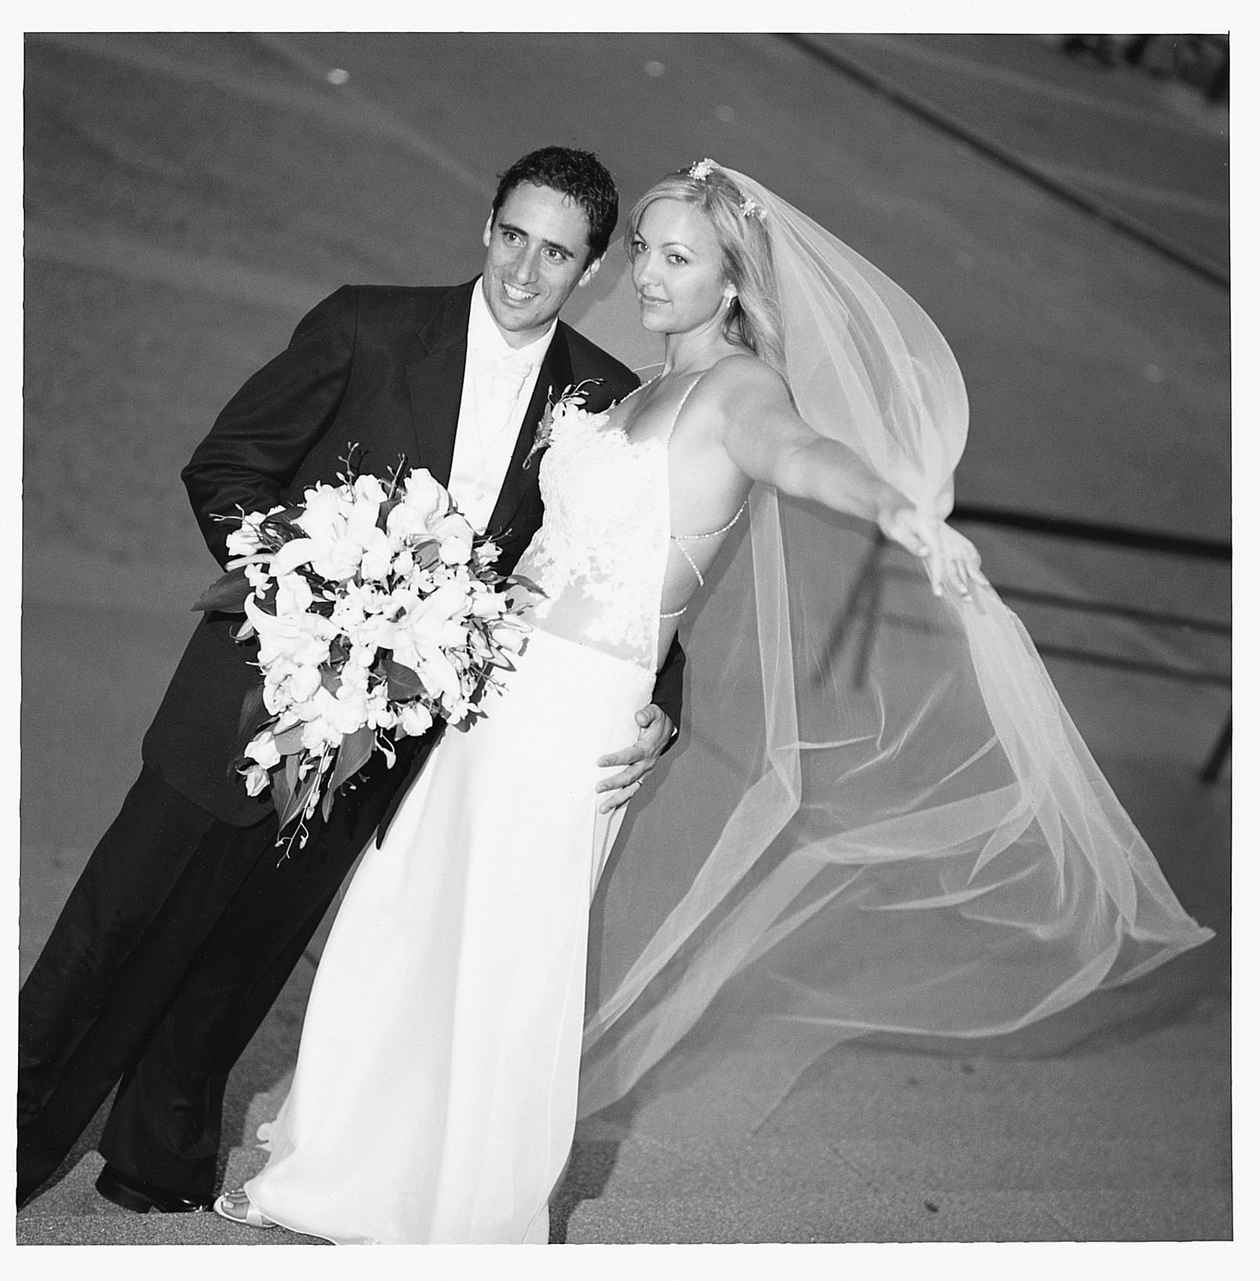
(536, 255)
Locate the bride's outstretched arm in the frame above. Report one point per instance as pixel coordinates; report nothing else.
(770, 442)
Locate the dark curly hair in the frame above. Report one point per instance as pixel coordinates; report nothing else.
(576, 174)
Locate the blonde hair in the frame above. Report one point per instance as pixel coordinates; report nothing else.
(753, 319)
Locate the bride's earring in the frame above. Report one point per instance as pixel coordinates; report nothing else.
(730, 295)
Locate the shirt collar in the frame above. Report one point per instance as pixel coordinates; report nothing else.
(486, 341)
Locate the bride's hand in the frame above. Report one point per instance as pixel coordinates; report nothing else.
(962, 561)
(948, 556)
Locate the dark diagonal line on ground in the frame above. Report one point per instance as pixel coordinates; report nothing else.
(1002, 155)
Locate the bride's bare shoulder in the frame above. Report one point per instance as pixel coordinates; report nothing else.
(742, 378)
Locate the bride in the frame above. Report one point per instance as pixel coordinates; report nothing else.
(950, 803)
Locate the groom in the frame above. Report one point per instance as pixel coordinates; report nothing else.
(184, 925)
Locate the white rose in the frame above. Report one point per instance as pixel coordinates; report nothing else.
(348, 711)
(353, 678)
(293, 594)
(256, 780)
(453, 525)
(405, 522)
(455, 551)
(377, 555)
(380, 715)
(318, 715)
(318, 733)
(338, 559)
(356, 603)
(455, 539)
(424, 497)
(452, 635)
(362, 515)
(347, 616)
(304, 682)
(323, 516)
(368, 488)
(438, 674)
(488, 604)
(286, 683)
(456, 709)
(276, 695)
(372, 634)
(414, 719)
(362, 657)
(510, 636)
(262, 751)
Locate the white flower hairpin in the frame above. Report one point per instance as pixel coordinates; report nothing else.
(748, 208)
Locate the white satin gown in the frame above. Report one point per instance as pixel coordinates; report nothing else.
(435, 1093)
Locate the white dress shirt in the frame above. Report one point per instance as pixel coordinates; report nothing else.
(498, 384)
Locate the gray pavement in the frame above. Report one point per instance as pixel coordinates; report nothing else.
(189, 195)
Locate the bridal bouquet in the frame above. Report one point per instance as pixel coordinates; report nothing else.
(377, 611)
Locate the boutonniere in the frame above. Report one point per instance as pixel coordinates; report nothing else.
(571, 400)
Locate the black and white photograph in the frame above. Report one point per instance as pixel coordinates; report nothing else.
(625, 637)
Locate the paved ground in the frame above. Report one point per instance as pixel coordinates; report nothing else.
(188, 196)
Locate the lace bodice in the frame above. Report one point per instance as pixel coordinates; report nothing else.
(601, 551)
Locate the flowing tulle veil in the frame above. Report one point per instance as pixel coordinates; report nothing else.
(880, 817)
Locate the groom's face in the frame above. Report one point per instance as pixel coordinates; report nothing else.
(536, 251)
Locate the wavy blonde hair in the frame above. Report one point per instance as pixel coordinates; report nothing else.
(753, 319)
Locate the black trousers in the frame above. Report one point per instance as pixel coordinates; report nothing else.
(170, 950)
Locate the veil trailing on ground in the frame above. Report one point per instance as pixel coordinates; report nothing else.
(911, 838)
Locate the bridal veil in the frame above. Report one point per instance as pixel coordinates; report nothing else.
(881, 818)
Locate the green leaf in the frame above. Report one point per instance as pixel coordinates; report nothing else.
(382, 514)
(403, 682)
(352, 756)
(251, 705)
(425, 553)
(226, 595)
(290, 744)
(281, 526)
(519, 580)
(266, 600)
(282, 780)
(298, 798)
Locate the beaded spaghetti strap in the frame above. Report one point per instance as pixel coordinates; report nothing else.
(679, 540)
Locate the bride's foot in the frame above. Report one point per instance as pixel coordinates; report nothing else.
(236, 1206)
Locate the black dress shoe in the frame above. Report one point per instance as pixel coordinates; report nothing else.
(134, 1195)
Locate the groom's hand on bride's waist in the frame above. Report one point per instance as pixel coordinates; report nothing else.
(655, 731)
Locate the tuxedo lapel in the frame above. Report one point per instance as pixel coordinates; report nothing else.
(435, 378)
(554, 376)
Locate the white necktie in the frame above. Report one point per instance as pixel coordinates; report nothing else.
(507, 375)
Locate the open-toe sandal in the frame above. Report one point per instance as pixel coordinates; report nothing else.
(236, 1206)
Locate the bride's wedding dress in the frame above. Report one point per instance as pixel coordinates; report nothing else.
(435, 1093)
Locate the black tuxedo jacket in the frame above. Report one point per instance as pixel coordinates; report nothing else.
(383, 367)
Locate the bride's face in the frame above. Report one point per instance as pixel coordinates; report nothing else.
(676, 266)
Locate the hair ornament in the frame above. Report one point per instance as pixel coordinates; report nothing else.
(751, 209)
(701, 169)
